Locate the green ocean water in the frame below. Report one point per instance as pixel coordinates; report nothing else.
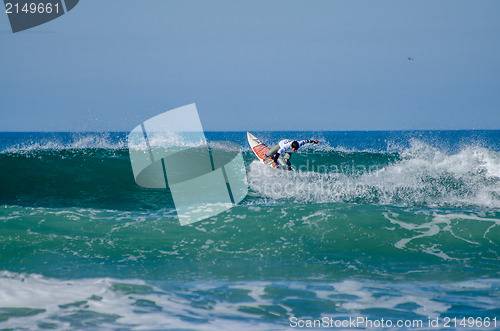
(399, 226)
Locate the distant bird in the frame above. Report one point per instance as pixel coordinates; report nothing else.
(410, 59)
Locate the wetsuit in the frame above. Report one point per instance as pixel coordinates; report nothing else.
(284, 147)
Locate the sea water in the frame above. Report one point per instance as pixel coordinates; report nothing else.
(375, 230)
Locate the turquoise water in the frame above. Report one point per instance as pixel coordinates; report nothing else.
(399, 226)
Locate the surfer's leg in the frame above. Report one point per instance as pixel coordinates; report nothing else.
(286, 158)
(273, 151)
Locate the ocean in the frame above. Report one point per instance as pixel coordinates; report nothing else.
(375, 230)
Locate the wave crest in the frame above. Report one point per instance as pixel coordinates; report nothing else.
(32, 142)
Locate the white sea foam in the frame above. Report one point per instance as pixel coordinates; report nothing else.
(438, 224)
(107, 304)
(374, 297)
(110, 304)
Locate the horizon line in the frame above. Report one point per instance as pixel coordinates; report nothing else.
(243, 131)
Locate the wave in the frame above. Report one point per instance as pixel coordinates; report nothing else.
(26, 143)
(93, 170)
(419, 176)
(323, 241)
(36, 302)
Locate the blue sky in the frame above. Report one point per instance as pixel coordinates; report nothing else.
(256, 65)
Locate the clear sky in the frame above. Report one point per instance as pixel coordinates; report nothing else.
(256, 65)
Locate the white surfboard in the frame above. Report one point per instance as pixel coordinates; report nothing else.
(260, 149)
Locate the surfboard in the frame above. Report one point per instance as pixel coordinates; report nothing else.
(260, 149)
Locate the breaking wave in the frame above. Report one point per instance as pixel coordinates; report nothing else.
(420, 175)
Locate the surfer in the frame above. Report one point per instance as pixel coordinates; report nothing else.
(286, 147)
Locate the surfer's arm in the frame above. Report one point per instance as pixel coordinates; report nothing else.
(277, 155)
(307, 141)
